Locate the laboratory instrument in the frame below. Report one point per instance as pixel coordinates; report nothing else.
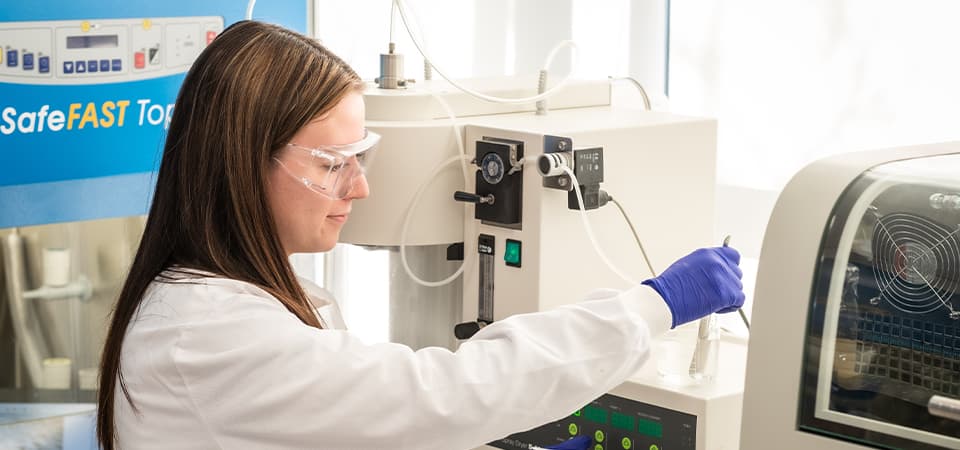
(856, 336)
(522, 245)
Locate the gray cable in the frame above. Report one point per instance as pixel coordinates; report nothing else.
(643, 92)
(635, 236)
(743, 316)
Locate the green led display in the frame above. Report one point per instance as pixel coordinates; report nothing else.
(650, 428)
(595, 414)
(622, 421)
(511, 254)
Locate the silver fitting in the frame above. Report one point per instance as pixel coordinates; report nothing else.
(552, 164)
(391, 70)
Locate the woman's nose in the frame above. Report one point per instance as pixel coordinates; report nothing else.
(360, 187)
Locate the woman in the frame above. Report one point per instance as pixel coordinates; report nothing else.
(215, 343)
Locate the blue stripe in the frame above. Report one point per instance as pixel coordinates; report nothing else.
(73, 200)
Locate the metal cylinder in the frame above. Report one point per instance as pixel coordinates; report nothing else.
(391, 71)
(424, 316)
(945, 407)
(552, 164)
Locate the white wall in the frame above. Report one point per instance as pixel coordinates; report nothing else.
(792, 82)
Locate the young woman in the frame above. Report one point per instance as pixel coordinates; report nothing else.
(215, 343)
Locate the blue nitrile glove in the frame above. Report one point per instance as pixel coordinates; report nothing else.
(703, 282)
(577, 443)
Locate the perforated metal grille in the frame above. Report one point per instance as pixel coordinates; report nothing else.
(910, 351)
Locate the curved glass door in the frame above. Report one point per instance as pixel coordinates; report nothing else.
(883, 335)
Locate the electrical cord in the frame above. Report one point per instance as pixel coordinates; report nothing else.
(401, 7)
(589, 229)
(633, 230)
(610, 198)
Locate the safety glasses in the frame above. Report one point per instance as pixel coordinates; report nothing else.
(330, 170)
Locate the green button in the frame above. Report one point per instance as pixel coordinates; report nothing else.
(598, 435)
(598, 447)
(577, 414)
(512, 253)
(572, 428)
(654, 447)
(626, 443)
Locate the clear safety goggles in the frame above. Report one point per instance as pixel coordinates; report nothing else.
(330, 170)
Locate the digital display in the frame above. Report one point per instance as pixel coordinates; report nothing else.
(622, 421)
(99, 41)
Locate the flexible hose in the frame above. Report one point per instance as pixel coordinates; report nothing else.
(406, 225)
(401, 7)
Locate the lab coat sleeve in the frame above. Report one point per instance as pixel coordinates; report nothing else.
(258, 377)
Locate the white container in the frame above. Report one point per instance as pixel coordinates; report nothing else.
(56, 373)
(56, 267)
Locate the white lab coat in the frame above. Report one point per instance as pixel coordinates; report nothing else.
(217, 363)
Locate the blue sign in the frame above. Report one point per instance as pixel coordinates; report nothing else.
(86, 97)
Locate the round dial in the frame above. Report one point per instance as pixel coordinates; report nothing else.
(492, 168)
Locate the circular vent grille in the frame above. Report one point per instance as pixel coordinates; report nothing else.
(916, 262)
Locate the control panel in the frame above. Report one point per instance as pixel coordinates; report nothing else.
(102, 51)
(614, 423)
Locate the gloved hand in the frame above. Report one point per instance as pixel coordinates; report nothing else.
(703, 282)
(577, 443)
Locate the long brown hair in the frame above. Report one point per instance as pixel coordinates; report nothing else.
(246, 95)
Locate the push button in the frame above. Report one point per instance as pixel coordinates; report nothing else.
(104, 65)
(511, 254)
(68, 67)
(211, 35)
(43, 64)
(92, 66)
(139, 60)
(80, 66)
(28, 61)
(116, 65)
(12, 58)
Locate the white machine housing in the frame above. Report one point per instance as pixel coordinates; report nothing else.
(659, 166)
(792, 252)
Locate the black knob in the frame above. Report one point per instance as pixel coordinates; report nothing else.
(461, 196)
(466, 330)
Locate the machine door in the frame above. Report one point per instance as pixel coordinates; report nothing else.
(883, 335)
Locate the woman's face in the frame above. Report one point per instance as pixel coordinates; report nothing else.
(307, 221)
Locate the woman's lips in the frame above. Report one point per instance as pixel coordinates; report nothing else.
(340, 218)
